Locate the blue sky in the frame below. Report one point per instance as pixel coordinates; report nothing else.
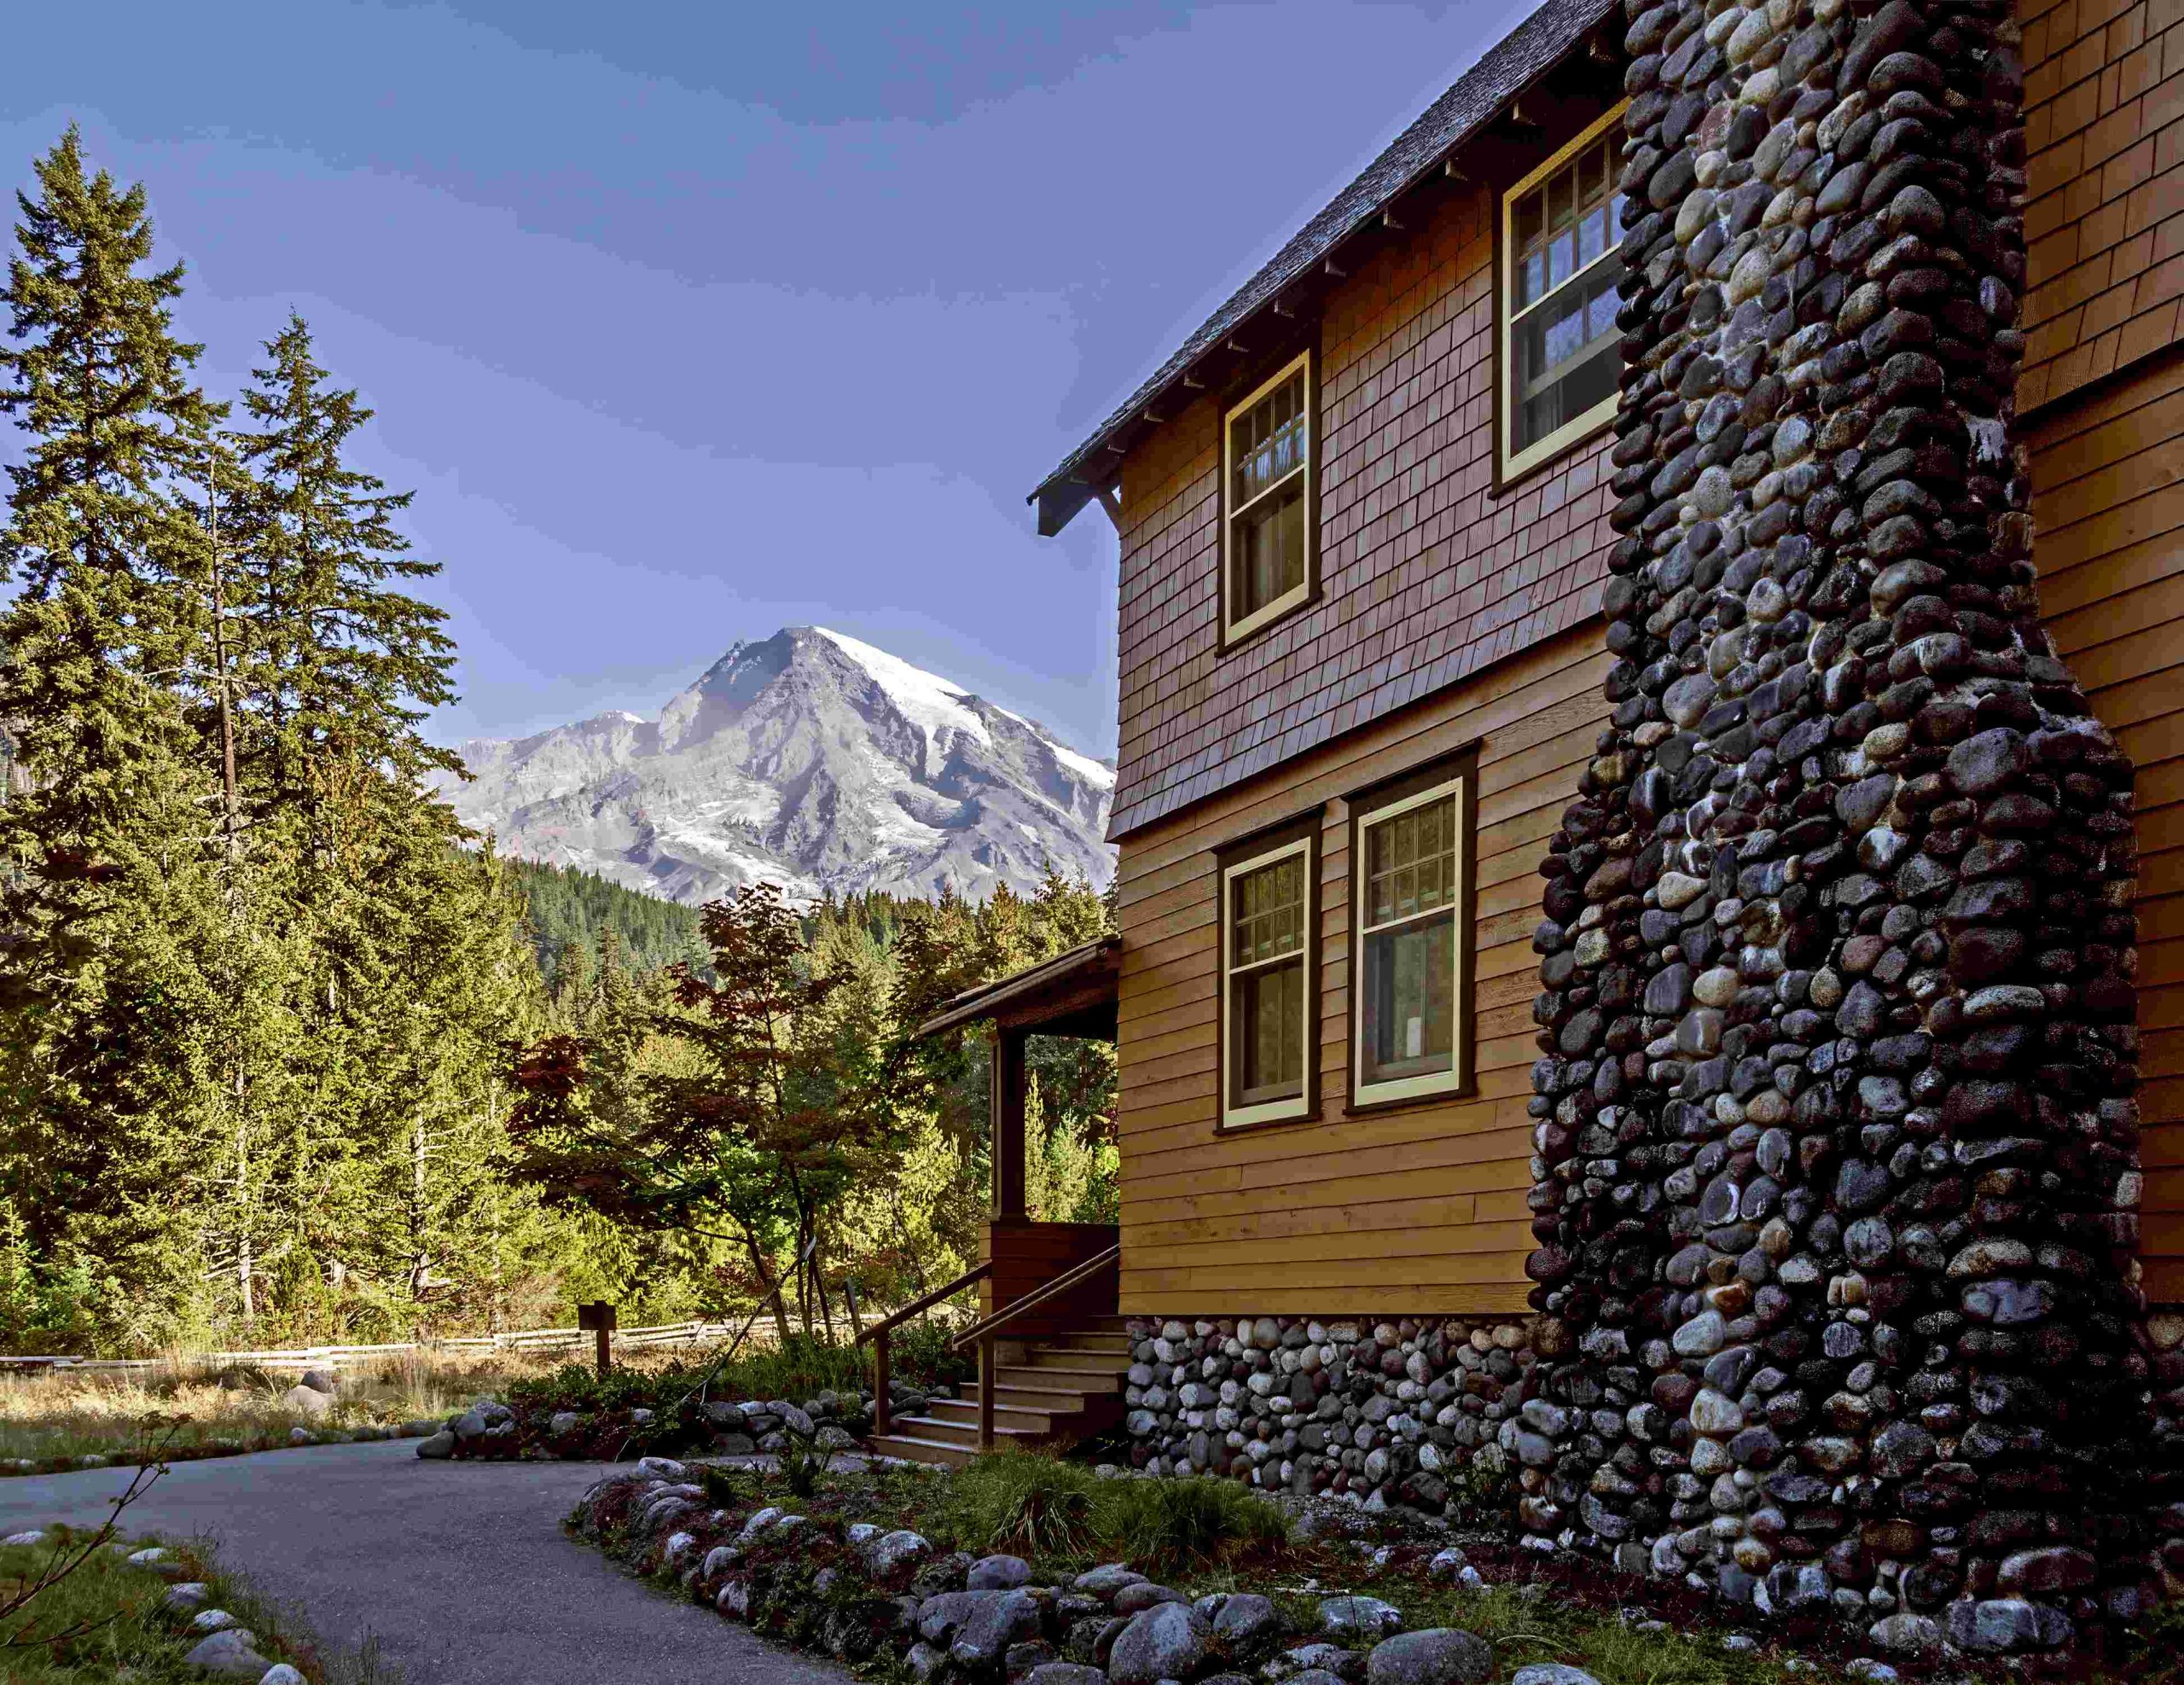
(690, 322)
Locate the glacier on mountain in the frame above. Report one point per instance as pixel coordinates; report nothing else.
(810, 759)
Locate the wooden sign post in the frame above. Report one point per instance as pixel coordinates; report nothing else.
(599, 1315)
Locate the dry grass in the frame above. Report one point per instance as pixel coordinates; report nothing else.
(49, 1420)
(52, 1419)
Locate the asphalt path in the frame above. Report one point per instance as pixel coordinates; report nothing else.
(460, 1570)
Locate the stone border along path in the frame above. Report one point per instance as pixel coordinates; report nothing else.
(948, 1619)
(460, 1570)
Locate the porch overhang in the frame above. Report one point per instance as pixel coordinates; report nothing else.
(1072, 994)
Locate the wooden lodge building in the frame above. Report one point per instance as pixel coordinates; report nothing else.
(1363, 515)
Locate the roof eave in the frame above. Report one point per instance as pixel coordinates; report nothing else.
(1060, 498)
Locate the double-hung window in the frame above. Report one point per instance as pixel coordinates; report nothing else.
(1410, 1019)
(1267, 988)
(1269, 505)
(1561, 252)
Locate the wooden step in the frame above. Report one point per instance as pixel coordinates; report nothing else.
(1061, 1360)
(1088, 1383)
(1030, 1389)
(912, 1448)
(947, 1432)
(1091, 1356)
(1006, 1417)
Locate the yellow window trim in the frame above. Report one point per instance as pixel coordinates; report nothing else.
(1300, 1104)
(1514, 463)
(1233, 631)
(1438, 1081)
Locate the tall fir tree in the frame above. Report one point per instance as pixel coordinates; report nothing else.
(350, 664)
(112, 912)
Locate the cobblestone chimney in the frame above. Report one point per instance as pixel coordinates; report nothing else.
(1837, 1169)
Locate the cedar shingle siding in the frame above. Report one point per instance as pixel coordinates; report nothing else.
(1426, 576)
(2104, 96)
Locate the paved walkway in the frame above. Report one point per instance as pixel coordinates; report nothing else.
(460, 1569)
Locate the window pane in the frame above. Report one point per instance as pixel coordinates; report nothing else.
(1409, 1000)
(1525, 231)
(1562, 356)
(1410, 862)
(1267, 911)
(1267, 441)
(1266, 550)
(1565, 224)
(1268, 1029)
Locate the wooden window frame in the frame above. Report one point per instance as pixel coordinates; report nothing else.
(1511, 464)
(1237, 631)
(1291, 837)
(1455, 771)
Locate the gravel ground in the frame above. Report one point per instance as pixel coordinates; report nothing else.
(459, 1569)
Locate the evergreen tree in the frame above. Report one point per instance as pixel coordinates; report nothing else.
(112, 908)
(350, 665)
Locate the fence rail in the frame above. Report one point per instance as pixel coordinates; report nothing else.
(319, 1357)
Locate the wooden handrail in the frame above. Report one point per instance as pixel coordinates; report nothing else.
(882, 1410)
(919, 1305)
(1031, 1301)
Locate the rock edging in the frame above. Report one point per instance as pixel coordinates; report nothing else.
(856, 1591)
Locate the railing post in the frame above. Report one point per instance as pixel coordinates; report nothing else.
(880, 1379)
(985, 1392)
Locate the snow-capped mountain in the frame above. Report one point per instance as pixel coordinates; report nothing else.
(810, 759)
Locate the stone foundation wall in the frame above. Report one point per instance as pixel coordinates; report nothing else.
(1837, 1174)
(1383, 1412)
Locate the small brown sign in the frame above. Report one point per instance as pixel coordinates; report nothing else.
(597, 1314)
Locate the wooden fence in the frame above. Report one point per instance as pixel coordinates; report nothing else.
(326, 1356)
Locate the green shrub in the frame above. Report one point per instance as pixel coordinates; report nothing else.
(918, 1353)
(1027, 1504)
(1039, 1506)
(804, 1464)
(1170, 1527)
(800, 1368)
(803, 1365)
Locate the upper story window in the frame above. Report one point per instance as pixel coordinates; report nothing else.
(1411, 861)
(1267, 1001)
(1268, 502)
(1561, 239)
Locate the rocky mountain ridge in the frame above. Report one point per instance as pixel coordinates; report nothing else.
(808, 759)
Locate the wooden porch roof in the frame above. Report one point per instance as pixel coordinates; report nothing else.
(1072, 994)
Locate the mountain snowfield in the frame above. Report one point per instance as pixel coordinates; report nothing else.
(810, 759)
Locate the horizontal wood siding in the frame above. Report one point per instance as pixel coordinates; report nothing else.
(2104, 99)
(1427, 577)
(2108, 500)
(1422, 1206)
(1450, 615)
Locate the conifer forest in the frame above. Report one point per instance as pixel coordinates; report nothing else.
(286, 1056)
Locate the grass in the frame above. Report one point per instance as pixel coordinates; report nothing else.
(104, 1622)
(1043, 1509)
(52, 1419)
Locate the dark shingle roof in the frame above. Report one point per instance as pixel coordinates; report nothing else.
(1507, 69)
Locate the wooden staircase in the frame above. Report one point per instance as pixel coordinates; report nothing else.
(1067, 1388)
